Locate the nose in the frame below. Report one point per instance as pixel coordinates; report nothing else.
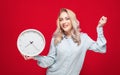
(64, 21)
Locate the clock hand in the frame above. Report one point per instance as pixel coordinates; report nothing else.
(31, 42)
(27, 45)
(35, 47)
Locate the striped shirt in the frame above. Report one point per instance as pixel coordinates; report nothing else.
(66, 58)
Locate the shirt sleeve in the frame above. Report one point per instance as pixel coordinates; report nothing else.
(100, 44)
(46, 61)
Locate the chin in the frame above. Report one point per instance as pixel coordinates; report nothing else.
(66, 30)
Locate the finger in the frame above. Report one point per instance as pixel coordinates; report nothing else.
(25, 57)
(29, 57)
(104, 17)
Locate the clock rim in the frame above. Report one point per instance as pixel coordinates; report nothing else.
(27, 30)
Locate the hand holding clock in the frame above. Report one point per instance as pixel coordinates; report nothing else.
(28, 57)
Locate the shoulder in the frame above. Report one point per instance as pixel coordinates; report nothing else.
(82, 34)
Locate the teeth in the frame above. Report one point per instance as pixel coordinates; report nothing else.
(65, 26)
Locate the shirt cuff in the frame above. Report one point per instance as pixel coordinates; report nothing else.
(37, 57)
(100, 30)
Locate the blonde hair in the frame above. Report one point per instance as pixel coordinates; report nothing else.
(75, 32)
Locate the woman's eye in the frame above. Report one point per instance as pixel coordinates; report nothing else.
(60, 19)
(67, 18)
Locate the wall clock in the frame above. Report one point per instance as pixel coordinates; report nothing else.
(30, 42)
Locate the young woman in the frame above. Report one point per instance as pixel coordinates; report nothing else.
(69, 45)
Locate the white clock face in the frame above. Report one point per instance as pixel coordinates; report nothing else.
(31, 42)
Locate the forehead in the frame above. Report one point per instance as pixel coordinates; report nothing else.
(64, 14)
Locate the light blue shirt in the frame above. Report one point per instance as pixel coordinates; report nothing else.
(66, 58)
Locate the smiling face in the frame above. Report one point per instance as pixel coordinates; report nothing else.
(65, 22)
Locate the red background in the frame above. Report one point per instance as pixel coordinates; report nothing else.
(17, 15)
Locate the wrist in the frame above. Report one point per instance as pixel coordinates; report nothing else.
(99, 30)
(100, 25)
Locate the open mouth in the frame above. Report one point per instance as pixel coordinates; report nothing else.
(65, 25)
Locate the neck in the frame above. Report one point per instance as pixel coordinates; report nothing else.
(68, 34)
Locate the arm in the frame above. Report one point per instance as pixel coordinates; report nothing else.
(46, 61)
(100, 44)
